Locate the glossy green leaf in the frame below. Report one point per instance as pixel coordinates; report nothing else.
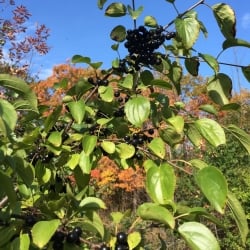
(116, 10)
(77, 110)
(160, 183)
(240, 135)
(73, 161)
(213, 185)
(135, 13)
(171, 136)
(198, 163)
(150, 21)
(211, 61)
(188, 28)
(7, 183)
(219, 88)
(55, 138)
(211, 131)
(125, 150)
(92, 203)
(127, 82)
(157, 146)
(232, 42)
(246, 72)
(198, 236)
(177, 122)
(23, 90)
(155, 212)
(89, 143)
(192, 65)
(137, 110)
(108, 147)
(239, 216)
(85, 163)
(22, 242)
(118, 33)
(42, 173)
(106, 93)
(194, 135)
(134, 239)
(42, 232)
(8, 118)
(226, 19)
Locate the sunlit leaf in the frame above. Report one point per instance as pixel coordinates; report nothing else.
(137, 110)
(155, 212)
(106, 93)
(232, 42)
(89, 143)
(125, 150)
(85, 163)
(42, 232)
(160, 183)
(135, 13)
(209, 109)
(213, 185)
(116, 10)
(134, 239)
(150, 21)
(177, 122)
(188, 29)
(80, 59)
(55, 138)
(211, 61)
(77, 110)
(198, 236)
(92, 203)
(108, 147)
(211, 131)
(226, 19)
(157, 146)
(239, 216)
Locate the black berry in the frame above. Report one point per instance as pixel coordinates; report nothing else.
(72, 237)
(78, 231)
(121, 238)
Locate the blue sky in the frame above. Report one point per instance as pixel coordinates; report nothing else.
(79, 27)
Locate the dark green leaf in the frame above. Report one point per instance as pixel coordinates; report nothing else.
(231, 106)
(101, 3)
(118, 33)
(246, 72)
(175, 75)
(147, 77)
(209, 109)
(211, 61)
(161, 83)
(192, 65)
(232, 42)
(80, 59)
(7, 183)
(52, 119)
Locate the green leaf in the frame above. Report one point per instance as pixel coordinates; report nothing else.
(22, 89)
(198, 163)
(240, 135)
(134, 239)
(171, 136)
(137, 110)
(157, 146)
(219, 88)
(226, 19)
(108, 147)
(175, 75)
(155, 212)
(147, 77)
(116, 10)
(52, 119)
(160, 183)
(188, 29)
(80, 59)
(246, 72)
(117, 217)
(55, 138)
(7, 183)
(198, 236)
(161, 83)
(77, 110)
(231, 106)
(211, 61)
(239, 216)
(118, 33)
(209, 109)
(42, 232)
(127, 82)
(135, 13)
(106, 93)
(8, 118)
(194, 135)
(192, 65)
(73, 161)
(24, 242)
(211, 131)
(92, 203)
(6, 234)
(213, 185)
(101, 3)
(85, 163)
(125, 150)
(89, 143)
(150, 21)
(232, 42)
(177, 122)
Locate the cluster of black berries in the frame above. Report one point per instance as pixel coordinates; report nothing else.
(141, 44)
(98, 81)
(72, 237)
(40, 153)
(120, 244)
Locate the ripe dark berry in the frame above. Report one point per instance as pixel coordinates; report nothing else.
(127, 138)
(30, 220)
(121, 247)
(117, 93)
(78, 231)
(151, 131)
(139, 156)
(91, 80)
(58, 236)
(104, 247)
(120, 99)
(121, 238)
(57, 245)
(72, 237)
